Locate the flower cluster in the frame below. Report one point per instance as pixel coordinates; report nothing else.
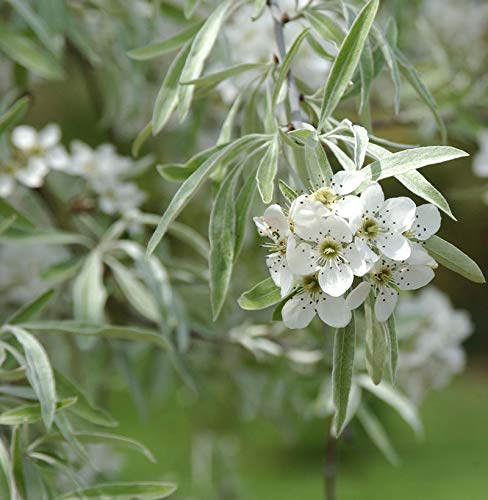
(341, 234)
(430, 332)
(34, 154)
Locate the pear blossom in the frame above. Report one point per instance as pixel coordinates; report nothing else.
(426, 223)
(380, 223)
(387, 277)
(430, 333)
(118, 197)
(480, 162)
(275, 225)
(330, 254)
(33, 154)
(310, 300)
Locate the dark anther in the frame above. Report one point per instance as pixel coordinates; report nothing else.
(290, 127)
(285, 18)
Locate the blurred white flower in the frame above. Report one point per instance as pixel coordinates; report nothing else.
(118, 197)
(33, 155)
(20, 270)
(480, 162)
(430, 333)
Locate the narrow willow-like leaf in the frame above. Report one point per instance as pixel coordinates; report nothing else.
(6, 223)
(366, 68)
(200, 49)
(376, 345)
(454, 259)
(190, 7)
(51, 41)
(157, 49)
(376, 432)
(14, 113)
(32, 309)
(123, 491)
(213, 79)
(190, 186)
(46, 236)
(343, 362)
(267, 169)
(342, 158)
(167, 98)
(393, 345)
(226, 130)
(136, 293)
(325, 26)
(141, 138)
(221, 233)
(89, 294)
(410, 159)
(190, 237)
(260, 296)
(410, 73)
(28, 54)
(28, 414)
(181, 172)
(396, 400)
(7, 480)
(244, 203)
(39, 372)
(84, 408)
(103, 331)
(258, 9)
(7, 211)
(361, 141)
(318, 166)
(285, 66)
(288, 192)
(347, 59)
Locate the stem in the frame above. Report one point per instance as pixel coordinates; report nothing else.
(330, 466)
(293, 92)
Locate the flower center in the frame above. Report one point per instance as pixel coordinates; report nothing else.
(281, 246)
(370, 228)
(329, 249)
(325, 195)
(310, 284)
(383, 276)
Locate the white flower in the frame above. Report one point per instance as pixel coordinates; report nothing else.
(118, 197)
(100, 163)
(331, 254)
(380, 223)
(274, 225)
(34, 153)
(309, 300)
(426, 223)
(480, 162)
(430, 332)
(388, 276)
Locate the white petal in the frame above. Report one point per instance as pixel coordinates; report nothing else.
(385, 303)
(33, 174)
(7, 184)
(348, 207)
(345, 182)
(24, 137)
(358, 295)
(427, 221)
(356, 260)
(49, 136)
(286, 279)
(394, 245)
(299, 311)
(337, 228)
(335, 278)
(333, 311)
(372, 198)
(413, 277)
(306, 215)
(273, 262)
(276, 220)
(301, 258)
(263, 228)
(367, 253)
(58, 158)
(397, 213)
(420, 256)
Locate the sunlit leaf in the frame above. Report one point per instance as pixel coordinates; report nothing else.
(261, 296)
(123, 491)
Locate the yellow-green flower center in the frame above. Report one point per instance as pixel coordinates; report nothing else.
(369, 229)
(310, 284)
(329, 249)
(383, 276)
(325, 195)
